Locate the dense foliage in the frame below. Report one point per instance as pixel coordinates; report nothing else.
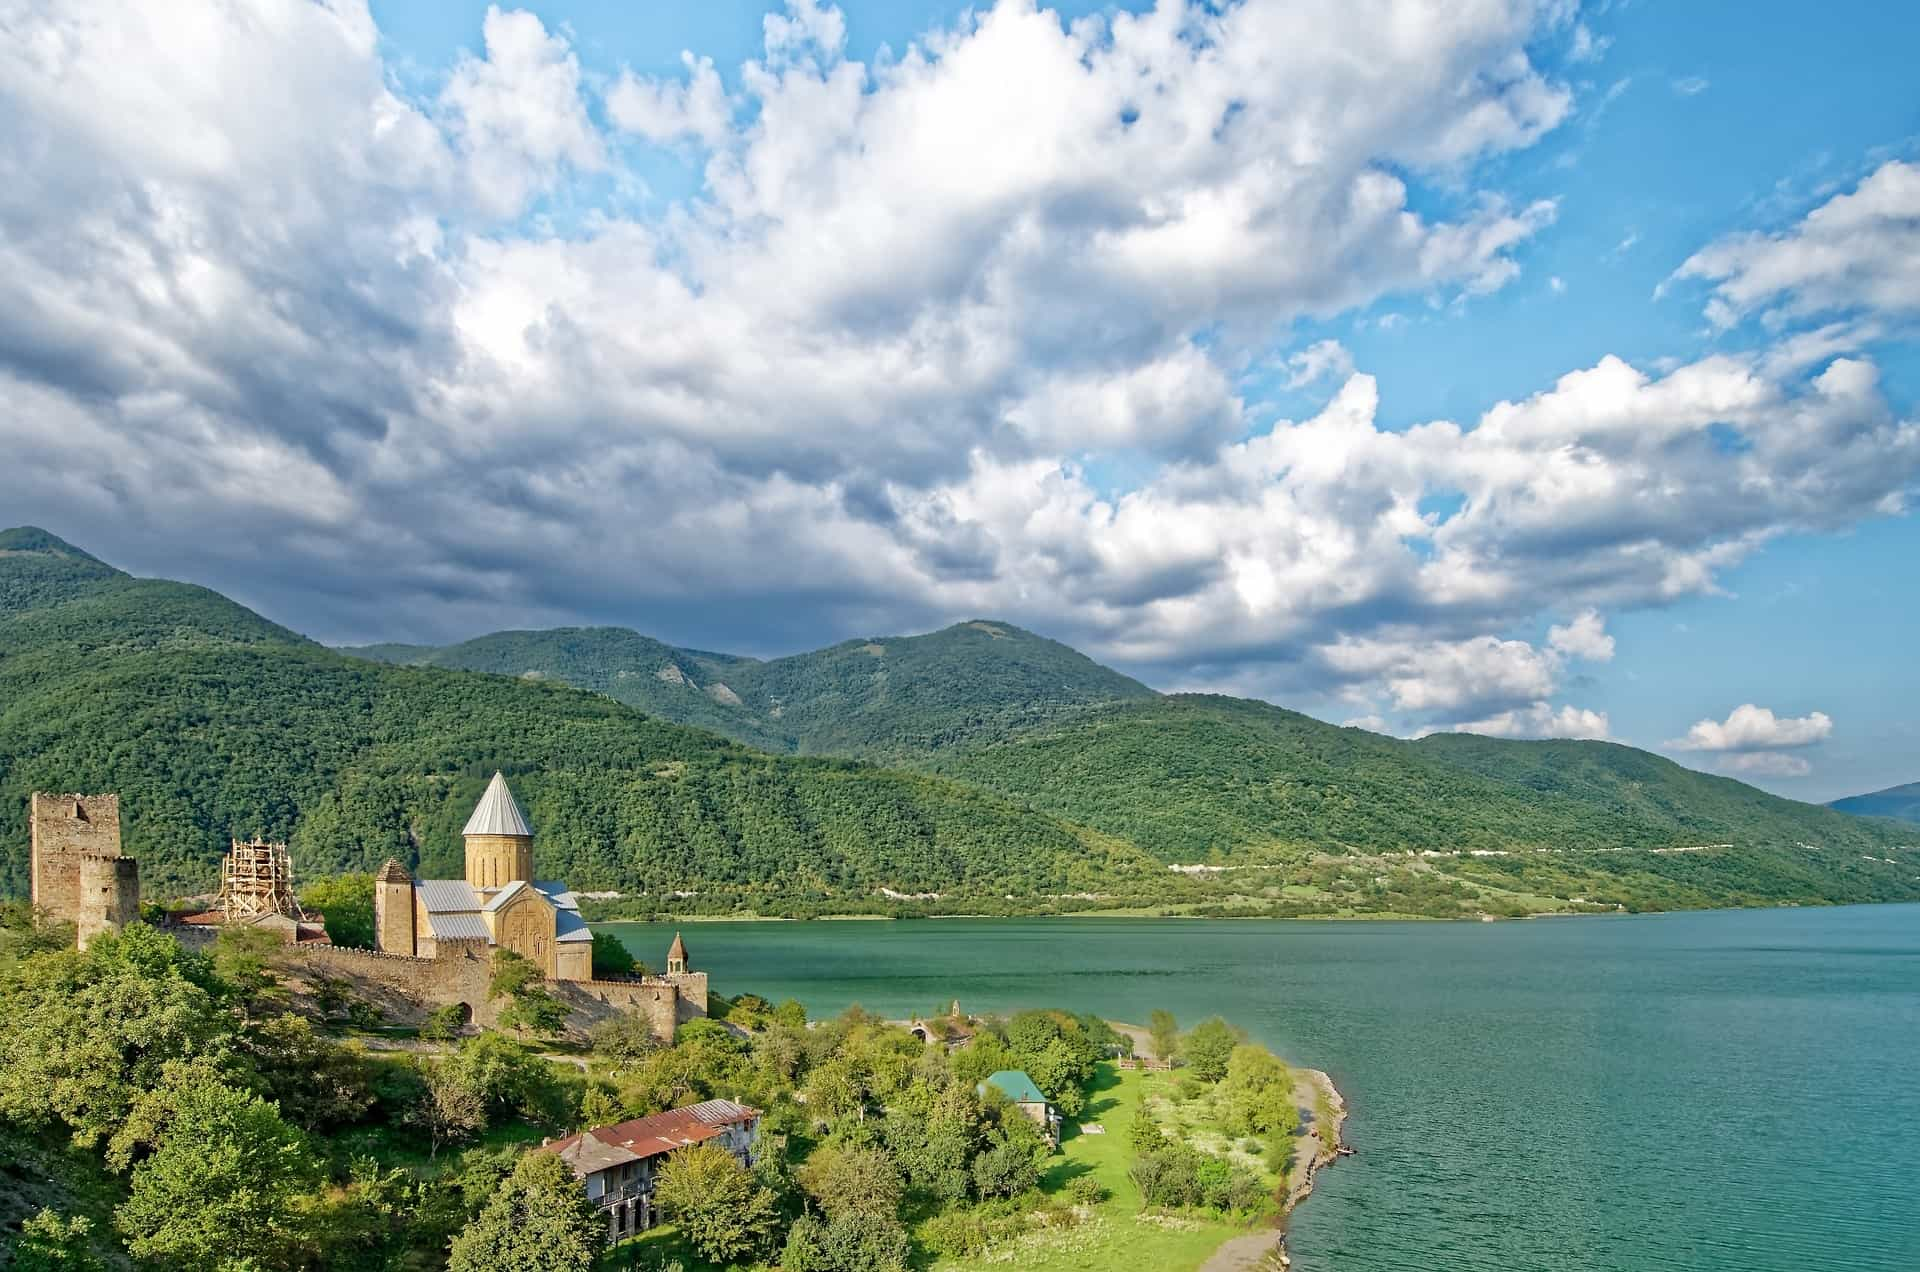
(885, 697)
(211, 723)
(1196, 778)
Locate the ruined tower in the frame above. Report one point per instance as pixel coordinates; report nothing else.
(499, 840)
(78, 874)
(393, 909)
(109, 896)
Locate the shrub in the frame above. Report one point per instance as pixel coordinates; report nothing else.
(1085, 1190)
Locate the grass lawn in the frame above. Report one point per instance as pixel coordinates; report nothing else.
(1117, 1235)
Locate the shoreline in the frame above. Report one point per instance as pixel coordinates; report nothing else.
(1266, 1247)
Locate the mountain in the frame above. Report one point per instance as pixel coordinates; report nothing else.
(1030, 776)
(212, 721)
(884, 697)
(1899, 802)
(685, 685)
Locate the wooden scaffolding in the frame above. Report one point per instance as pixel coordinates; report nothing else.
(256, 879)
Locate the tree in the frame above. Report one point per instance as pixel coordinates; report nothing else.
(49, 1243)
(1005, 1170)
(611, 957)
(513, 973)
(1258, 1092)
(443, 1023)
(1208, 1048)
(224, 1186)
(726, 1215)
(1165, 1032)
(623, 1037)
(241, 957)
(534, 1011)
(86, 1035)
(541, 1221)
(834, 1090)
(317, 1083)
(847, 1180)
(345, 902)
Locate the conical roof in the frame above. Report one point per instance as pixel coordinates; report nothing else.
(497, 814)
(677, 952)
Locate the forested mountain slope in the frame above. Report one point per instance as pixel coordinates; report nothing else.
(1188, 777)
(1901, 802)
(210, 722)
(684, 685)
(884, 697)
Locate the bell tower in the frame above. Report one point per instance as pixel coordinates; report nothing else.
(499, 840)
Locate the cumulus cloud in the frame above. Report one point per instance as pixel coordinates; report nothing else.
(1585, 637)
(1763, 764)
(1538, 720)
(1857, 253)
(959, 332)
(517, 113)
(661, 110)
(1751, 728)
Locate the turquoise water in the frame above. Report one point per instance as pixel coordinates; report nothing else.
(1736, 1089)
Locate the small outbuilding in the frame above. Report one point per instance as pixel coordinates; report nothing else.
(1021, 1089)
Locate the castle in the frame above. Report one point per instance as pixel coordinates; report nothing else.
(79, 876)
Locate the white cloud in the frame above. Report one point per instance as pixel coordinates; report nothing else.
(1751, 728)
(958, 333)
(518, 112)
(1763, 764)
(1321, 360)
(1538, 720)
(1856, 253)
(1691, 85)
(1585, 637)
(665, 111)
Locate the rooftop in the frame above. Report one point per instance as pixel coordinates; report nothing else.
(497, 813)
(1016, 1086)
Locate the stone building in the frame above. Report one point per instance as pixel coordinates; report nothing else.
(78, 873)
(1027, 1097)
(616, 1164)
(498, 905)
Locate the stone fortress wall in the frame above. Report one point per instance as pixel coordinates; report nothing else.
(407, 988)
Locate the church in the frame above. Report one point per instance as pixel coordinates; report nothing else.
(498, 906)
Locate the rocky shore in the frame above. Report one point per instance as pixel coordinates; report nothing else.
(1267, 1248)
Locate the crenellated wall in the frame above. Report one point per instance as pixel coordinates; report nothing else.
(408, 988)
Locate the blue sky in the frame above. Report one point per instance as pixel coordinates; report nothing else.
(1181, 337)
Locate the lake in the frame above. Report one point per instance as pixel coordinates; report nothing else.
(1733, 1089)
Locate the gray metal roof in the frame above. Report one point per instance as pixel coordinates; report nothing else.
(505, 895)
(721, 1112)
(569, 926)
(497, 813)
(587, 1153)
(558, 893)
(458, 927)
(441, 895)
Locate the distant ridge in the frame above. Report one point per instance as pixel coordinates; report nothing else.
(1899, 802)
(1027, 775)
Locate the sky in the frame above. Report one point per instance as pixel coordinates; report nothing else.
(1536, 368)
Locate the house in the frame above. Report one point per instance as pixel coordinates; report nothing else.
(617, 1163)
(1019, 1088)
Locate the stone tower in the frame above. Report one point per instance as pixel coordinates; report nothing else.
(393, 909)
(78, 874)
(677, 957)
(65, 829)
(109, 896)
(499, 840)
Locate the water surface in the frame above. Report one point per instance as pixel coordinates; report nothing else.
(1735, 1089)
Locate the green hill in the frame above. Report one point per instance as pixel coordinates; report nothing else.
(1194, 778)
(684, 685)
(211, 721)
(1899, 802)
(883, 697)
